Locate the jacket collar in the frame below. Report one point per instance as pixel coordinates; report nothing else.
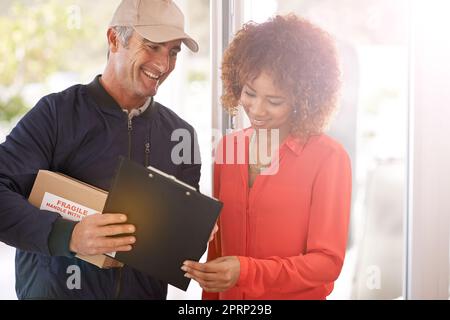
(107, 103)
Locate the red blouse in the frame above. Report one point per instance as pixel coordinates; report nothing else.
(289, 230)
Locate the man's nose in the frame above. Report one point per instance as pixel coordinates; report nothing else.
(162, 62)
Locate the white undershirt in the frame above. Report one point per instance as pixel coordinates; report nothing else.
(137, 112)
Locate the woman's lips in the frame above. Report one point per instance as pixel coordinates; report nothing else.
(258, 123)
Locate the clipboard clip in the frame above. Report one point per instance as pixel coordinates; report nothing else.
(172, 178)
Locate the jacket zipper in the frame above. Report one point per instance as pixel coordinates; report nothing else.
(119, 283)
(119, 274)
(147, 153)
(130, 129)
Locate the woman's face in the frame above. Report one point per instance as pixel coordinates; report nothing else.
(267, 106)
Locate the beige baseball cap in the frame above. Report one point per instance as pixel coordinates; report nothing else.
(155, 20)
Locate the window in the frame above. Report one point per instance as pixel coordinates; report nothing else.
(50, 45)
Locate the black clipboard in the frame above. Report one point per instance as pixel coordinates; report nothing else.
(173, 221)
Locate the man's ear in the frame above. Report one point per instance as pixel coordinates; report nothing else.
(113, 41)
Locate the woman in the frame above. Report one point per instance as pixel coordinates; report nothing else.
(283, 229)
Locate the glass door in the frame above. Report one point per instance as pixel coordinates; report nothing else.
(372, 38)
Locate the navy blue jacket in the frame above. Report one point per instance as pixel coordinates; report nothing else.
(79, 132)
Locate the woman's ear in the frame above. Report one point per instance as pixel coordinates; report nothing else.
(113, 41)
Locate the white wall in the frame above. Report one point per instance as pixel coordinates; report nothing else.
(429, 201)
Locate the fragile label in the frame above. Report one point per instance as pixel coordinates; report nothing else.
(67, 209)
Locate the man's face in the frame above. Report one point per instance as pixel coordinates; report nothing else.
(144, 65)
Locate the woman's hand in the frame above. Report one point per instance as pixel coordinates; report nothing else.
(214, 276)
(213, 232)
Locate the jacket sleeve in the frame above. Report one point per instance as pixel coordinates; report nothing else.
(326, 243)
(27, 149)
(214, 247)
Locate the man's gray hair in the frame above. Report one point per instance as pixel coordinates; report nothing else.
(124, 34)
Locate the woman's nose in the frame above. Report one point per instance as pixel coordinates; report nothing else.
(257, 108)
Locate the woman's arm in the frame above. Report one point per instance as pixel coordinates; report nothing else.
(326, 244)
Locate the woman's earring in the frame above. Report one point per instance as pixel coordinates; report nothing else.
(233, 116)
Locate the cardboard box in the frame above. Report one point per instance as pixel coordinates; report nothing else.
(73, 200)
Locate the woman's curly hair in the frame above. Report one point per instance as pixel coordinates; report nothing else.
(300, 57)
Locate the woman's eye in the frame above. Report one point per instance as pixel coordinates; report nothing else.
(250, 94)
(275, 103)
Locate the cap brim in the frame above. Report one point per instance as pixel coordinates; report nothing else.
(160, 34)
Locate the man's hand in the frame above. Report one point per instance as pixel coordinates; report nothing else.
(214, 276)
(93, 234)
